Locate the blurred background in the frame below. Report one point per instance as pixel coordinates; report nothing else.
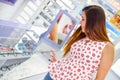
(24, 47)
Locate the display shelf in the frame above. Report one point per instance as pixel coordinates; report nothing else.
(9, 62)
(11, 32)
(114, 3)
(113, 33)
(108, 6)
(112, 28)
(37, 64)
(8, 56)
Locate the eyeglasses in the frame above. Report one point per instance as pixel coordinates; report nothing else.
(9, 67)
(15, 54)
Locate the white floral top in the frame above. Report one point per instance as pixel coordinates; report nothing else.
(81, 63)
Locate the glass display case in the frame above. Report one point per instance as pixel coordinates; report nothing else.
(10, 34)
(35, 65)
(23, 53)
(20, 49)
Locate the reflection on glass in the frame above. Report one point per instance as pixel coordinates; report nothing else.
(61, 28)
(21, 20)
(32, 6)
(25, 16)
(28, 10)
(38, 2)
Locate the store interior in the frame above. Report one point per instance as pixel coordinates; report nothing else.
(25, 29)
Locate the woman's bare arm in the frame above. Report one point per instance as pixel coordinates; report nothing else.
(106, 62)
(54, 33)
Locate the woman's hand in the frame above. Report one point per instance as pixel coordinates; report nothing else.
(53, 56)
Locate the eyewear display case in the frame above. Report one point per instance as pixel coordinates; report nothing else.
(25, 45)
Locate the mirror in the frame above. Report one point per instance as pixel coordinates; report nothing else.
(60, 29)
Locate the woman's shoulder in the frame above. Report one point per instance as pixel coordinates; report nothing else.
(109, 45)
(108, 48)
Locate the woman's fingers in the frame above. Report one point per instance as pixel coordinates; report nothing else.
(53, 53)
(52, 59)
(53, 56)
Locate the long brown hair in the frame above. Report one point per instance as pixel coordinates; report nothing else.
(95, 27)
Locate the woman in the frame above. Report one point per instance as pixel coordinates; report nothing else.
(88, 53)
